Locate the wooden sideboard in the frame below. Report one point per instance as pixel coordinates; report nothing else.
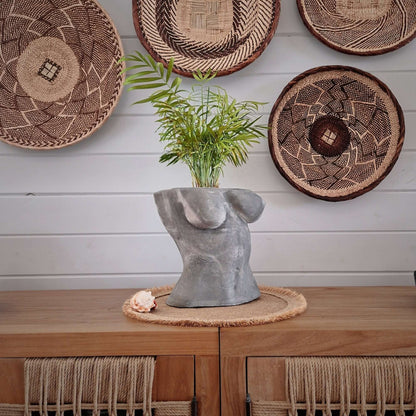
(219, 366)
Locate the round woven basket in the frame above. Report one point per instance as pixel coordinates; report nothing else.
(360, 27)
(221, 35)
(60, 73)
(335, 132)
(274, 304)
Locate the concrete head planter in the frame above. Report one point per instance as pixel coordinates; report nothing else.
(209, 226)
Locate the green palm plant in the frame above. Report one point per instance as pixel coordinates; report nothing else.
(204, 128)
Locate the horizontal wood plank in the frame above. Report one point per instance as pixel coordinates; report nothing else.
(158, 254)
(139, 135)
(295, 54)
(137, 280)
(267, 88)
(143, 173)
(288, 211)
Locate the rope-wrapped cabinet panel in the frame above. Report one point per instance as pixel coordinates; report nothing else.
(93, 386)
(89, 382)
(177, 408)
(344, 385)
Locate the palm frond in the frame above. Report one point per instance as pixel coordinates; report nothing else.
(204, 128)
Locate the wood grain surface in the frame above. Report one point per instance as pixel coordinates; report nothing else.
(12, 381)
(352, 321)
(174, 378)
(266, 378)
(68, 323)
(207, 385)
(233, 385)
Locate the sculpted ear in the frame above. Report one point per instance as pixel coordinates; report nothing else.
(204, 208)
(248, 205)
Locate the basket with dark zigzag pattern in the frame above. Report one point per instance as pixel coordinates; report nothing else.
(335, 132)
(59, 71)
(360, 27)
(221, 35)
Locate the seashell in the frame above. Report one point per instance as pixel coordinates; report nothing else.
(143, 301)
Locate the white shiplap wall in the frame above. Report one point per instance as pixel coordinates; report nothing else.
(84, 217)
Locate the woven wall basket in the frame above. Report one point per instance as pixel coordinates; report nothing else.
(361, 27)
(335, 132)
(60, 79)
(222, 35)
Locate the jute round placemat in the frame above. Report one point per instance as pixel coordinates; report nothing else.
(59, 71)
(361, 27)
(275, 304)
(222, 35)
(335, 132)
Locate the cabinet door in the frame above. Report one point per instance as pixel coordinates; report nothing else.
(173, 381)
(176, 379)
(282, 386)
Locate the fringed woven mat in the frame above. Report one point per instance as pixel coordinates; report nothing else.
(275, 304)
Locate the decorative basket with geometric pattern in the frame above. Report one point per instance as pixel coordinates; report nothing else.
(222, 35)
(335, 132)
(360, 27)
(59, 71)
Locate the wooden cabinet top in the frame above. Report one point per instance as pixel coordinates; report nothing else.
(89, 322)
(338, 321)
